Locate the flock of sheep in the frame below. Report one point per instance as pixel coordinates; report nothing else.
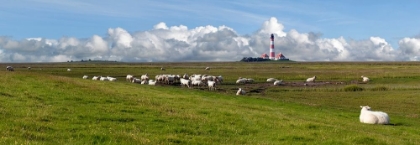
(366, 114)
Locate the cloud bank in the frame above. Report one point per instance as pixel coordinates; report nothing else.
(205, 43)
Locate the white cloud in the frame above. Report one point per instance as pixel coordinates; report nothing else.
(205, 43)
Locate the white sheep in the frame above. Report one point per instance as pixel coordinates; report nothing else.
(103, 78)
(162, 69)
(312, 79)
(95, 78)
(270, 80)
(85, 77)
(212, 85)
(197, 83)
(241, 81)
(152, 82)
(112, 79)
(278, 82)
(185, 82)
(373, 117)
(365, 79)
(207, 68)
(68, 69)
(129, 78)
(144, 77)
(240, 92)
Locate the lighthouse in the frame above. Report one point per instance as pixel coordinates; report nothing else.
(272, 53)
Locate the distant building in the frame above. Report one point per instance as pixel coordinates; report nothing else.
(264, 56)
(280, 56)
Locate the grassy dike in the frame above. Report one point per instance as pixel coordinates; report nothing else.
(44, 107)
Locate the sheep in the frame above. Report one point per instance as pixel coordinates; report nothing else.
(10, 68)
(278, 82)
(144, 77)
(85, 77)
(144, 82)
(112, 79)
(270, 80)
(29, 68)
(136, 80)
(312, 79)
(373, 117)
(95, 78)
(365, 79)
(129, 78)
(162, 69)
(240, 92)
(68, 69)
(241, 80)
(212, 85)
(219, 79)
(185, 82)
(152, 82)
(197, 83)
(249, 80)
(103, 78)
(207, 68)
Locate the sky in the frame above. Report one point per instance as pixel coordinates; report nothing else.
(208, 30)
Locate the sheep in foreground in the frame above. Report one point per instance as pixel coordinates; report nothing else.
(373, 117)
(312, 79)
(185, 82)
(240, 92)
(365, 79)
(212, 85)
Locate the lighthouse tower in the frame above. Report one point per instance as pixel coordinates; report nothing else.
(272, 53)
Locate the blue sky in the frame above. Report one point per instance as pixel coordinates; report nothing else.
(356, 20)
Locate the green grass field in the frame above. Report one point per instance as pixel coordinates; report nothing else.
(50, 105)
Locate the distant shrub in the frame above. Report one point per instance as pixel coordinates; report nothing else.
(379, 88)
(353, 88)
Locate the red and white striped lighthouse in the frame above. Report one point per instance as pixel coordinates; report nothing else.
(272, 53)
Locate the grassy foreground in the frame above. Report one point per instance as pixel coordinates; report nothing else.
(52, 106)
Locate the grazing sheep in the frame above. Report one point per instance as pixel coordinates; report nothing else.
(311, 79)
(270, 80)
(212, 85)
(373, 117)
(103, 78)
(95, 78)
(112, 79)
(68, 69)
(10, 68)
(240, 92)
(162, 69)
(278, 82)
(29, 68)
(197, 83)
(207, 68)
(365, 79)
(85, 77)
(185, 82)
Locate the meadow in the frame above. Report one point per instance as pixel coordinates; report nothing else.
(49, 105)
